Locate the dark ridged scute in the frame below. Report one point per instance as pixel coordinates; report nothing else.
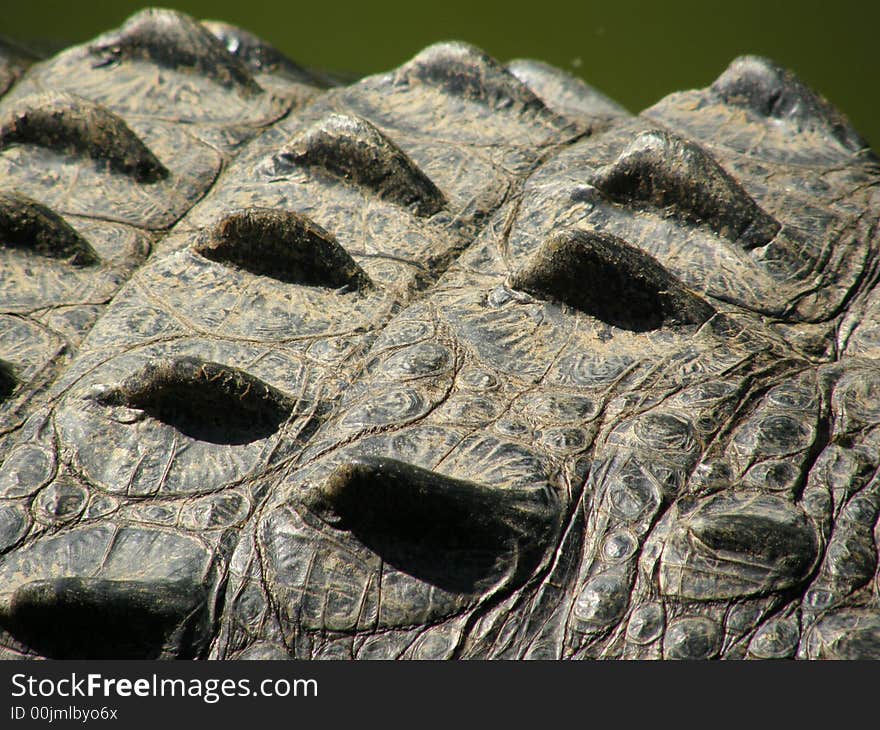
(459, 360)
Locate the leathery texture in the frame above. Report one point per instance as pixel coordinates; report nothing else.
(462, 360)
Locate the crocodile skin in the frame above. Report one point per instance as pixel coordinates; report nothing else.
(461, 360)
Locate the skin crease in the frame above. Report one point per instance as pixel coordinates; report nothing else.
(460, 360)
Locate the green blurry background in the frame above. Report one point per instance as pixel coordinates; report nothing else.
(636, 52)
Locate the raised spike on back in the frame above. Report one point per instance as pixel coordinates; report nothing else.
(205, 400)
(562, 92)
(26, 225)
(67, 123)
(605, 277)
(284, 245)
(463, 70)
(258, 55)
(14, 59)
(770, 90)
(176, 41)
(449, 532)
(105, 618)
(676, 176)
(351, 148)
(8, 380)
(406, 499)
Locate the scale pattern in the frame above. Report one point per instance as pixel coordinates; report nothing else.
(462, 360)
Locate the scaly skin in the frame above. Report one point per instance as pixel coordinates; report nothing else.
(461, 360)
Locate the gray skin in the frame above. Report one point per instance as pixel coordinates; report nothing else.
(458, 361)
